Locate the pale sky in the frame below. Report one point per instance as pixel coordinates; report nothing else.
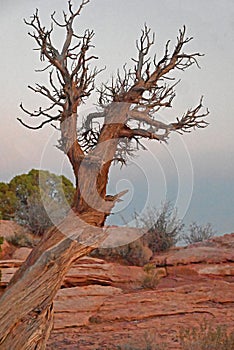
(194, 171)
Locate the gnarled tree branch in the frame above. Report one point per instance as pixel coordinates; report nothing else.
(146, 90)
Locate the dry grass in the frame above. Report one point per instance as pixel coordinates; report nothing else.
(206, 337)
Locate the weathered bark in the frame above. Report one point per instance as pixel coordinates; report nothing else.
(69, 143)
(94, 168)
(26, 308)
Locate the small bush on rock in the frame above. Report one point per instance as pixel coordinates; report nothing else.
(151, 278)
(162, 229)
(206, 337)
(198, 233)
(22, 240)
(134, 253)
(148, 342)
(162, 225)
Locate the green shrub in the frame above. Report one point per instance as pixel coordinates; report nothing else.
(8, 202)
(26, 196)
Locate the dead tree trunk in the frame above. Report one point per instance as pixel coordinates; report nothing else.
(27, 325)
(26, 313)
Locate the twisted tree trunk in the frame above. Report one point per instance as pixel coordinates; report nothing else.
(26, 308)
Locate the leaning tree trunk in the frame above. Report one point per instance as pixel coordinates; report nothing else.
(26, 308)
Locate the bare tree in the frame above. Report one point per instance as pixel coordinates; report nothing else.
(126, 115)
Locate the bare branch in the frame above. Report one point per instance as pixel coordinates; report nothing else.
(192, 119)
(88, 123)
(78, 12)
(82, 59)
(145, 84)
(39, 126)
(145, 116)
(176, 60)
(117, 197)
(40, 112)
(56, 22)
(147, 134)
(72, 80)
(145, 90)
(41, 89)
(143, 46)
(132, 133)
(43, 69)
(88, 139)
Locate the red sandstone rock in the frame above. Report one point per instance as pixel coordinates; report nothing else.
(75, 307)
(97, 271)
(107, 306)
(7, 250)
(213, 251)
(104, 321)
(8, 269)
(198, 286)
(216, 269)
(9, 228)
(86, 271)
(21, 253)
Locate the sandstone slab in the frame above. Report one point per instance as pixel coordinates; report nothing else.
(97, 271)
(109, 319)
(21, 253)
(74, 307)
(102, 305)
(214, 251)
